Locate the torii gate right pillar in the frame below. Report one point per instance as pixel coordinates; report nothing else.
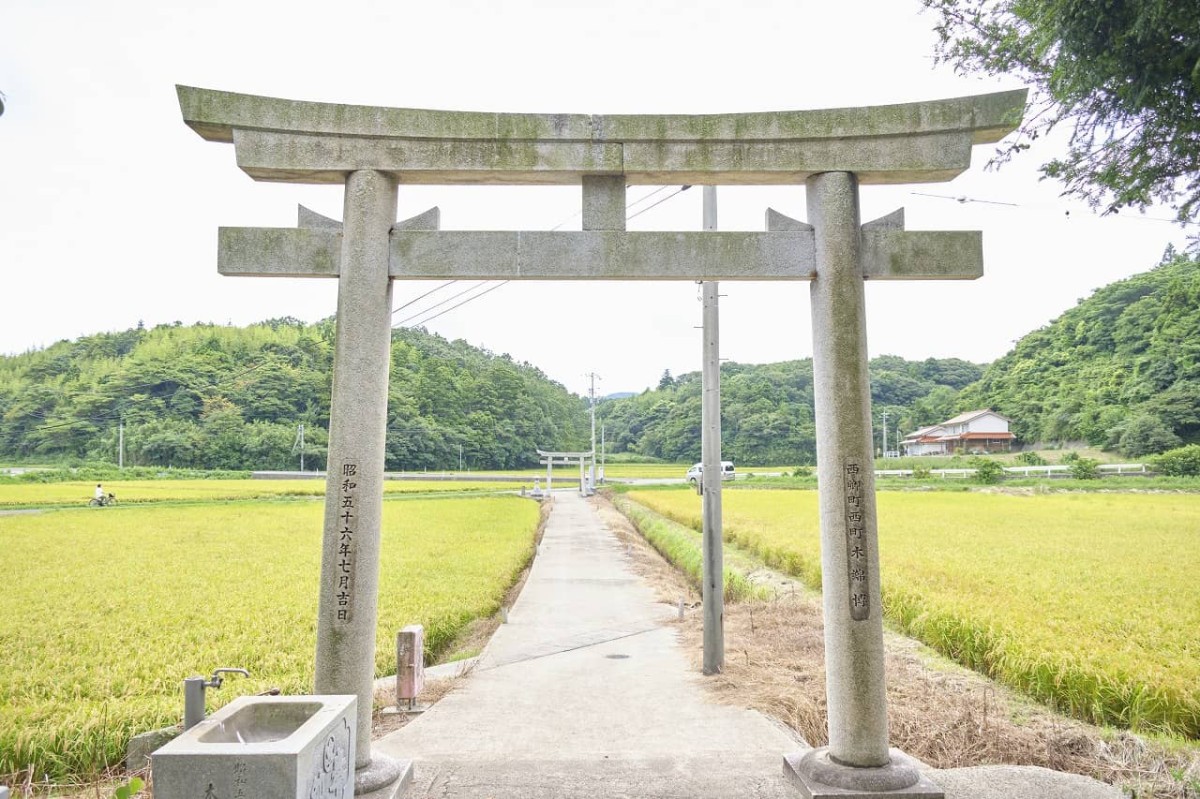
(857, 762)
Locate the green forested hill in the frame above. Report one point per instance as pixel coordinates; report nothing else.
(1120, 370)
(225, 397)
(767, 410)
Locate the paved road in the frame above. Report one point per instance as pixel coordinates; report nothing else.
(586, 693)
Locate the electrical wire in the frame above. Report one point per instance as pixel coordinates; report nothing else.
(464, 302)
(963, 200)
(117, 412)
(681, 190)
(428, 319)
(451, 298)
(423, 296)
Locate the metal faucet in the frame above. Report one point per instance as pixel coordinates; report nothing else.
(193, 694)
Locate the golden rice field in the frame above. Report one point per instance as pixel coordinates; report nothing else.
(1090, 602)
(106, 612)
(137, 491)
(648, 471)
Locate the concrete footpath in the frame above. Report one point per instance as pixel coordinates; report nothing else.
(585, 692)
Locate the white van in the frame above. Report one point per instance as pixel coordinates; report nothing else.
(695, 473)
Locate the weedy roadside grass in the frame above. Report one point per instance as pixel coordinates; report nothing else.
(105, 613)
(141, 491)
(1087, 602)
(682, 547)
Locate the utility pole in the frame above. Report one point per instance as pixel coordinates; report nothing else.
(885, 434)
(121, 445)
(592, 467)
(710, 481)
(299, 445)
(602, 449)
(460, 457)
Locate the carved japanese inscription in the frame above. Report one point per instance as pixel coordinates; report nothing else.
(857, 556)
(346, 556)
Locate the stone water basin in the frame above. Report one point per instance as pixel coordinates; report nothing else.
(263, 747)
(261, 722)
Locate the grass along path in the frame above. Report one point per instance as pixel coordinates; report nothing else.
(1087, 602)
(683, 548)
(106, 613)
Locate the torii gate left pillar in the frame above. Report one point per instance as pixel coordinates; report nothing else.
(349, 587)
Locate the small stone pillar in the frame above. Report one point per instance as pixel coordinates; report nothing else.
(857, 761)
(347, 608)
(410, 663)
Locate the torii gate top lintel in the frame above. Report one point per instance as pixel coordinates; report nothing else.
(310, 142)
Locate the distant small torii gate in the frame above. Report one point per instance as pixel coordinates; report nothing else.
(372, 151)
(551, 459)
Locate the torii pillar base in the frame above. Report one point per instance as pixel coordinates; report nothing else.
(383, 778)
(819, 777)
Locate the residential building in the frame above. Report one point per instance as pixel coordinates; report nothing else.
(973, 432)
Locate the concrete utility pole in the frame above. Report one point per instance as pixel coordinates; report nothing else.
(298, 447)
(602, 450)
(592, 394)
(121, 445)
(885, 450)
(710, 480)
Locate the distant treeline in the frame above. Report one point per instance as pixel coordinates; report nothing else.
(1120, 371)
(767, 410)
(206, 396)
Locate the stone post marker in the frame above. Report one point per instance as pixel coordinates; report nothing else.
(371, 150)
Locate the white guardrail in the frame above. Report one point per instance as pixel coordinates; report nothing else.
(1022, 471)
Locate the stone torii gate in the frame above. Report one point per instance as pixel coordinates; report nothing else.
(552, 459)
(373, 151)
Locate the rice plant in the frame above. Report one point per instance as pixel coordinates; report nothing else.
(1088, 602)
(105, 613)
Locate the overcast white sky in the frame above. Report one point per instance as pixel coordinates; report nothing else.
(109, 204)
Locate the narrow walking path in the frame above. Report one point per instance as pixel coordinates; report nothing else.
(585, 692)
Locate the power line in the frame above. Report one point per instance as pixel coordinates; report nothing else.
(681, 190)
(643, 199)
(423, 296)
(962, 199)
(464, 302)
(628, 216)
(440, 304)
(116, 412)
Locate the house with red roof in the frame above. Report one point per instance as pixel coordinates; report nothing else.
(973, 432)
